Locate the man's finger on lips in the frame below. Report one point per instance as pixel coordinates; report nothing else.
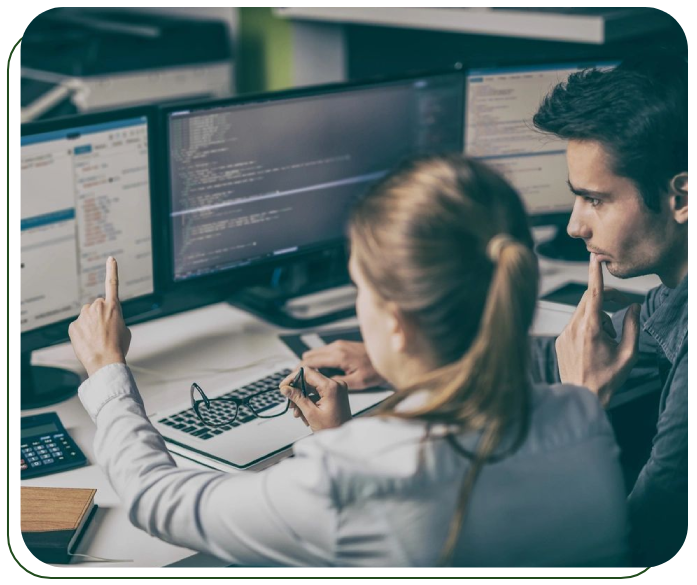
(594, 304)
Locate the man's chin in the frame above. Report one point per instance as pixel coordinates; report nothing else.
(619, 271)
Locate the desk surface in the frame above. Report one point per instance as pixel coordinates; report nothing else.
(212, 344)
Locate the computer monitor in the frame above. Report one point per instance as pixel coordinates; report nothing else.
(261, 180)
(85, 195)
(501, 102)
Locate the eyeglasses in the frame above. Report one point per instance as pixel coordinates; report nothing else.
(220, 412)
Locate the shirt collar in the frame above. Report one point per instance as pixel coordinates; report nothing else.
(668, 323)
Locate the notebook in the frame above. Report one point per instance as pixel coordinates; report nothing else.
(54, 519)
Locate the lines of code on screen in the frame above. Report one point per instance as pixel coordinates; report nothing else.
(255, 180)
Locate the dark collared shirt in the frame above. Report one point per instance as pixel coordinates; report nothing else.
(658, 500)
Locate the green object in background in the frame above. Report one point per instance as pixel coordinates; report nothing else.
(265, 51)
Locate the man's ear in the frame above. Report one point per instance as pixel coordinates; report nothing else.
(678, 198)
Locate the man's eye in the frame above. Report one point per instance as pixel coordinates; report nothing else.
(593, 201)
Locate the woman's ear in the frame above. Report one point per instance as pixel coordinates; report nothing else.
(398, 329)
(678, 198)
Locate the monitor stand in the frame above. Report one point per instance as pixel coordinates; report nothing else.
(43, 386)
(563, 247)
(277, 308)
(303, 294)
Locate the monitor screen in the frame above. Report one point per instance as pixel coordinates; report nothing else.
(255, 180)
(85, 197)
(501, 103)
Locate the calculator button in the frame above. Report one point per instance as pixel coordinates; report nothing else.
(32, 459)
(45, 456)
(36, 463)
(48, 461)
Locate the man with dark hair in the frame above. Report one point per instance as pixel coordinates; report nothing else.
(627, 158)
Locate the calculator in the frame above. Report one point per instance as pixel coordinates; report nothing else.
(47, 447)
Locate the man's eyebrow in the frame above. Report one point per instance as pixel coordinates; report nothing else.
(585, 192)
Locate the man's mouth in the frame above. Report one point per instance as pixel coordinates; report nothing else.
(602, 256)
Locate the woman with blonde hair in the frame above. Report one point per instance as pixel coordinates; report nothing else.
(468, 463)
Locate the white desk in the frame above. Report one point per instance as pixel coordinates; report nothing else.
(166, 356)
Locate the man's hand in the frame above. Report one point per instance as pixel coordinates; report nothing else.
(331, 410)
(100, 336)
(587, 352)
(351, 358)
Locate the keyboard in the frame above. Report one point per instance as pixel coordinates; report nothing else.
(186, 420)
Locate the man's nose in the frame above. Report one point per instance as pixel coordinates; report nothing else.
(578, 227)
